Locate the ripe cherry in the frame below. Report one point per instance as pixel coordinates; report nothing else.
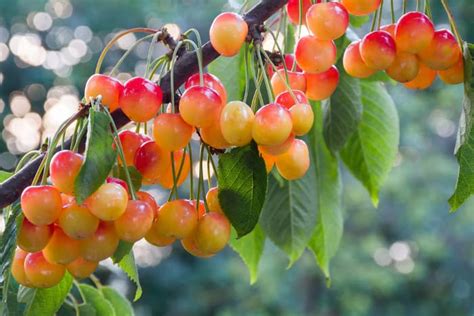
(120, 182)
(277, 149)
(61, 249)
(78, 222)
(177, 219)
(353, 63)
(315, 55)
(101, 245)
(189, 244)
(414, 32)
(390, 29)
(18, 267)
(64, 169)
(296, 81)
(295, 162)
(81, 268)
(141, 99)
(378, 50)
(212, 233)
(109, 88)
(212, 198)
(171, 132)
(152, 161)
(302, 117)
(201, 209)
(40, 273)
(41, 205)
(361, 7)
(180, 159)
(454, 74)
(287, 99)
(236, 122)
(135, 222)
(328, 20)
(227, 33)
(32, 238)
(404, 68)
(67, 199)
(425, 78)
(272, 125)
(199, 106)
(322, 85)
(148, 198)
(443, 51)
(212, 135)
(131, 141)
(293, 9)
(210, 81)
(154, 237)
(109, 202)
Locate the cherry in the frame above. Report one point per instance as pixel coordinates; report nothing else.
(212, 198)
(171, 132)
(152, 161)
(135, 222)
(454, 74)
(210, 81)
(212, 233)
(131, 141)
(141, 99)
(154, 237)
(64, 168)
(293, 9)
(109, 202)
(199, 106)
(353, 63)
(443, 51)
(268, 159)
(315, 55)
(404, 68)
(278, 149)
(414, 32)
(120, 182)
(41, 205)
(321, 86)
(212, 135)
(201, 210)
(378, 50)
(18, 267)
(61, 249)
(294, 163)
(78, 222)
(423, 79)
(166, 180)
(289, 61)
(272, 125)
(328, 20)
(227, 33)
(288, 100)
(177, 219)
(390, 29)
(236, 122)
(148, 198)
(40, 273)
(101, 245)
(32, 238)
(109, 88)
(361, 7)
(189, 244)
(302, 117)
(67, 199)
(81, 268)
(296, 81)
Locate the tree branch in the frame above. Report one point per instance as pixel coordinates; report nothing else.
(11, 189)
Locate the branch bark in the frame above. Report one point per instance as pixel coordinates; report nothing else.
(11, 189)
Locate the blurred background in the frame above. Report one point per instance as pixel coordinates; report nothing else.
(408, 257)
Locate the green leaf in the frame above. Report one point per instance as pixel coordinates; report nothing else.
(122, 250)
(8, 240)
(343, 113)
(290, 38)
(4, 175)
(289, 214)
(250, 249)
(48, 301)
(371, 151)
(127, 264)
(230, 70)
(358, 21)
(242, 185)
(327, 235)
(99, 156)
(87, 310)
(97, 300)
(135, 176)
(120, 304)
(465, 141)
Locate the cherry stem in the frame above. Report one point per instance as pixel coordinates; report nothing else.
(212, 162)
(247, 81)
(201, 180)
(428, 8)
(452, 22)
(191, 172)
(404, 6)
(417, 5)
(392, 11)
(115, 39)
(257, 84)
(151, 49)
(380, 14)
(285, 67)
(125, 55)
(173, 172)
(176, 176)
(259, 48)
(27, 158)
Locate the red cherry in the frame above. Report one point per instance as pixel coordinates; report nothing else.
(414, 32)
(378, 50)
(361, 7)
(404, 68)
(277, 149)
(321, 86)
(315, 55)
(41, 205)
(40, 273)
(109, 88)
(199, 106)
(443, 51)
(131, 141)
(171, 132)
(32, 238)
(148, 198)
(293, 9)
(390, 28)
(327, 21)
(353, 63)
(210, 81)
(120, 182)
(272, 125)
(287, 100)
(141, 99)
(135, 222)
(454, 74)
(152, 161)
(64, 168)
(296, 81)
